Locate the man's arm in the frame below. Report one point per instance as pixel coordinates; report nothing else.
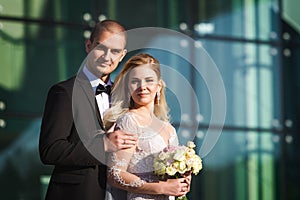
(59, 143)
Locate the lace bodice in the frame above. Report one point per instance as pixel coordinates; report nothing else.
(150, 141)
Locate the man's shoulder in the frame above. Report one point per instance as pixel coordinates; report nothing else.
(65, 85)
(68, 83)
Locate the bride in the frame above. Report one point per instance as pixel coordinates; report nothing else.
(139, 107)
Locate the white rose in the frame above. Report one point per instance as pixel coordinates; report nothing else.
(162, 156)
(170, 171)
(159, 168)
(179, 155)
(191, 144)
(190, 153)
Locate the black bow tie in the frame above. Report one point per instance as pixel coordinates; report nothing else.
(101, 88)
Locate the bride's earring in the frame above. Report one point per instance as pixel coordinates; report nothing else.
(158, 97)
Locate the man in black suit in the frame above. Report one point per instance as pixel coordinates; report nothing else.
(72, 137)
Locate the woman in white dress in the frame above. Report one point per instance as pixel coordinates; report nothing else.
(139, 107)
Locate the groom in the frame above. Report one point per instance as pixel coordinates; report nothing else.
(72, 137)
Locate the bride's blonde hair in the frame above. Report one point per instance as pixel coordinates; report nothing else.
(121, 100)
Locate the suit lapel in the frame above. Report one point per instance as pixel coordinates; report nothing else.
(87, 90)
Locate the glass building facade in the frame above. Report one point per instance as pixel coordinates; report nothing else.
(253, 46)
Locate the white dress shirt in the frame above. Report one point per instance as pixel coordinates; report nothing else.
(103, 98)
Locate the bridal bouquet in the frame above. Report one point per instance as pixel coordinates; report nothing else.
(175, 161)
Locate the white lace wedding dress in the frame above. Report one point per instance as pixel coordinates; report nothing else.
(141, 162)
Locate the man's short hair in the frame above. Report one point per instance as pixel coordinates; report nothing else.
(111, 26)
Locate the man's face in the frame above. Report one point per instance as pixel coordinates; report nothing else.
(105, 53)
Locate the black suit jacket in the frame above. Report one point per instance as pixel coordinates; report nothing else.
(70, 140)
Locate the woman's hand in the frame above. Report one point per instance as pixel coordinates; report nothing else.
(175, 187)
(188, 178)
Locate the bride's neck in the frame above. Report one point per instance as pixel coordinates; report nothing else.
(145, 112)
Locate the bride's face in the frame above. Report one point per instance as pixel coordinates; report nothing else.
(143, 85)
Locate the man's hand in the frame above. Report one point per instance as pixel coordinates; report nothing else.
(117, 139)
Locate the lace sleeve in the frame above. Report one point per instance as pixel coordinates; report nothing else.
(118, 161)
(128, 123)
